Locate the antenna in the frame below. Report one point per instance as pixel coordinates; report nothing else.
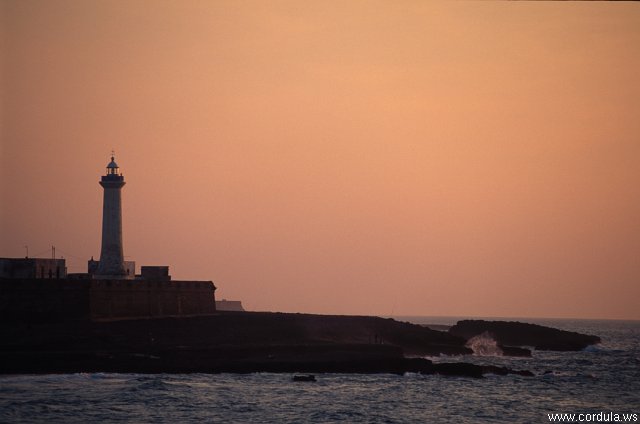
(27, 247)
(113, 153)
(53, 252)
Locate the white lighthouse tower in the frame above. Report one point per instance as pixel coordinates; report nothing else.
(111, 255)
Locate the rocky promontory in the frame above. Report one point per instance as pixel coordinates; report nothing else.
(510, 334)
(243, 342)
(233, 342)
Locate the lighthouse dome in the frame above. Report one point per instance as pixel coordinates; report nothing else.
(112, 164)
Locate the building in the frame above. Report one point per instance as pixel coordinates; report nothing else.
(32, 268)
(154, 273)
(35, 289)
(229, 305)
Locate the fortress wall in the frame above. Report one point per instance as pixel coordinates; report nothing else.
(35, 299)
(116, 299)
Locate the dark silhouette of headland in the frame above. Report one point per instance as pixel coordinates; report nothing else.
(112, 319)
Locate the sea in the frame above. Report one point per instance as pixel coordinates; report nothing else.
(598, 384)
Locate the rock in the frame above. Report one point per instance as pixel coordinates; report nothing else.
(514, 351)
(511, 333)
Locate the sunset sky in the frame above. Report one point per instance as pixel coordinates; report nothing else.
(351, 157)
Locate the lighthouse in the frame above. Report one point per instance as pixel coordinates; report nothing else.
(111, 263)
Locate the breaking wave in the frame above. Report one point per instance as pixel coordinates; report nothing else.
(484, 345)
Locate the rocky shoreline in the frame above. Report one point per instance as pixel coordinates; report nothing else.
(205, 361)
(243, 342)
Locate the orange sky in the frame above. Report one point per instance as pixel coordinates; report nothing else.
(407, 158)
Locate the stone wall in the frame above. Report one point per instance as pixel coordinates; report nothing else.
(116, 299)
(35, 299)
(32, 300)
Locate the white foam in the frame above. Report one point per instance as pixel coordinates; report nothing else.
(484, 345)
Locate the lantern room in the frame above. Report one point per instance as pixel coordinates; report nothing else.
(112, 167)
